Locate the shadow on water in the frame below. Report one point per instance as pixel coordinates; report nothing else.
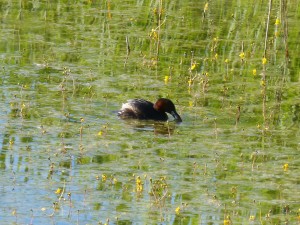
(157, 127)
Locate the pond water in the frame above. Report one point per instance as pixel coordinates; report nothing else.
(232, 70)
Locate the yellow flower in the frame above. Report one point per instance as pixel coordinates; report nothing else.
(252, 218)
(104, 177)
(277, 21)
(226, 61)
(285, 167)
(205, 7)
(194, 65)
(242, 55)
(167, 78)
(58, 191)
(100, 133)
(216, 56)
(11, 142)
(154, 34)
(264, 61)
(227, 221)
(139, 184)
(254, 72)
(177, 210)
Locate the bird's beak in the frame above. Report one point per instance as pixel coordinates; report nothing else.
(176, 116)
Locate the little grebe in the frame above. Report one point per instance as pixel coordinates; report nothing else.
(145, 110)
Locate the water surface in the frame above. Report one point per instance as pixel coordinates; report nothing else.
(65, 157)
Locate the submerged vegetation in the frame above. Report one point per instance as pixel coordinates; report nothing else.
(233, 70)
